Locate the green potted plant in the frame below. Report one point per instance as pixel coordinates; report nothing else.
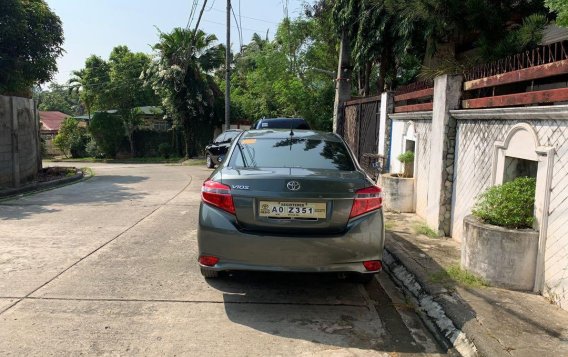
(398, 188)
(407, 160)
(499, 242)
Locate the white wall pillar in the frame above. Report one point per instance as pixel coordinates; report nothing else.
(387, 107)
(447, 94)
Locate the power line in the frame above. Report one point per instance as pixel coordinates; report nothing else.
(191, 14)
(210, 7)
(234, 27)
(241, 23)
(250, 18)
(238, 29)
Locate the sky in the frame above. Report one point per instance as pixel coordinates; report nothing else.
(97, 26)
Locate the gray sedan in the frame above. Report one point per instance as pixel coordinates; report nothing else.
(290, 201)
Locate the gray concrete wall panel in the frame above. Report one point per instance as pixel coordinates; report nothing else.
(19, 141)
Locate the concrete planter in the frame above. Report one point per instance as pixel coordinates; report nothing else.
(503, 257)
(398, 193)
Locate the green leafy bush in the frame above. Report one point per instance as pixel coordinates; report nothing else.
(71, 138)
(93, 150)
(407, 160)
(165, 149)
(509, 205)
(108, 132)
(406, 157)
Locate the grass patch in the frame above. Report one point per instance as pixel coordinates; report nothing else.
(422, 228)
(134, 160)
(88, 172)
(194, 162)
(454, 274)
(389, 225)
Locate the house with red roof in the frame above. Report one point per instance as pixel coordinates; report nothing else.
(50, 123)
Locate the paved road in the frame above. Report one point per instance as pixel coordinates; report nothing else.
(108, 266)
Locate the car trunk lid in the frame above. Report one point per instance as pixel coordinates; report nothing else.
(255, 191)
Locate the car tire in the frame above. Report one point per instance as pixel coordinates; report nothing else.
(360, 278)
(208, 273)
(209, 162)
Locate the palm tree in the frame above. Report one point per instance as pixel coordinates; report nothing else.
(182, 76)
(91, 82)
(77, 82)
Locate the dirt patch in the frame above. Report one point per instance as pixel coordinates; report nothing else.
(55, 173)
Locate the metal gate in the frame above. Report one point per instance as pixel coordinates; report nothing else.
(361, 125)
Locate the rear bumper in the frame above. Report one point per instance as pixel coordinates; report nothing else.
(218, 236)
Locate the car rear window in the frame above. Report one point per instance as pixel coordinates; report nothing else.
(291, 152)
(283, 124)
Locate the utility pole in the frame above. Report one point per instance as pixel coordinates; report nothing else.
(342, 84)
(228, 70)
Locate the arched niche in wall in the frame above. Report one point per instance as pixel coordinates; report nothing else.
(408, 143)
(521, 154)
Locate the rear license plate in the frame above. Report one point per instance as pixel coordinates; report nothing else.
(292, 209)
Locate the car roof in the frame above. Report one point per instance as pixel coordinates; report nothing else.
(281, 118)
(285, 134)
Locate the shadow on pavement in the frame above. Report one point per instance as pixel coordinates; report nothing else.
(97, 190)
(318, 308)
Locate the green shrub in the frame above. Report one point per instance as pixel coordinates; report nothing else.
(509, 205)
(93, 150)
(407, 160)
(108, 132)
(165, 149)
(71, 138)
(406, 157)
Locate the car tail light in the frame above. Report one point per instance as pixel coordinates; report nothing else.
(366, 200)
(208, 260)
(218, 195)
(373, 265)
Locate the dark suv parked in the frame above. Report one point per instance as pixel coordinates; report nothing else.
(281, 123)
(215, 151)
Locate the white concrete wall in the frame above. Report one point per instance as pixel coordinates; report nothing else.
(396, 145)
(422, 165)
(422, 122)
(474, 170)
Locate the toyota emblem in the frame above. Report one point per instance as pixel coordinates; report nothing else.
(293, 185)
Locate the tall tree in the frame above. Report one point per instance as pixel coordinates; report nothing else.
(31, 36)
(451, 27)
(182, 76)
(59, 98)
(126, 92)
(92, 83)
(289, 76)
(561, 9)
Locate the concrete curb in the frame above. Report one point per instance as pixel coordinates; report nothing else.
(429, 310)
(42, 186)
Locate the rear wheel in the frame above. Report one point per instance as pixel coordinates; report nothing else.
(209, 162)
(208, 273)
(361, 278)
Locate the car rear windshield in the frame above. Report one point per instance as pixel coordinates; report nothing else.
(292, 152)
(283, 124)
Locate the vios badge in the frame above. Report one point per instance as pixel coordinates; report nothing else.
(293, 185)
(240, 187)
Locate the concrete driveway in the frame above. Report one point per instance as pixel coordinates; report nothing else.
(108, 266)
